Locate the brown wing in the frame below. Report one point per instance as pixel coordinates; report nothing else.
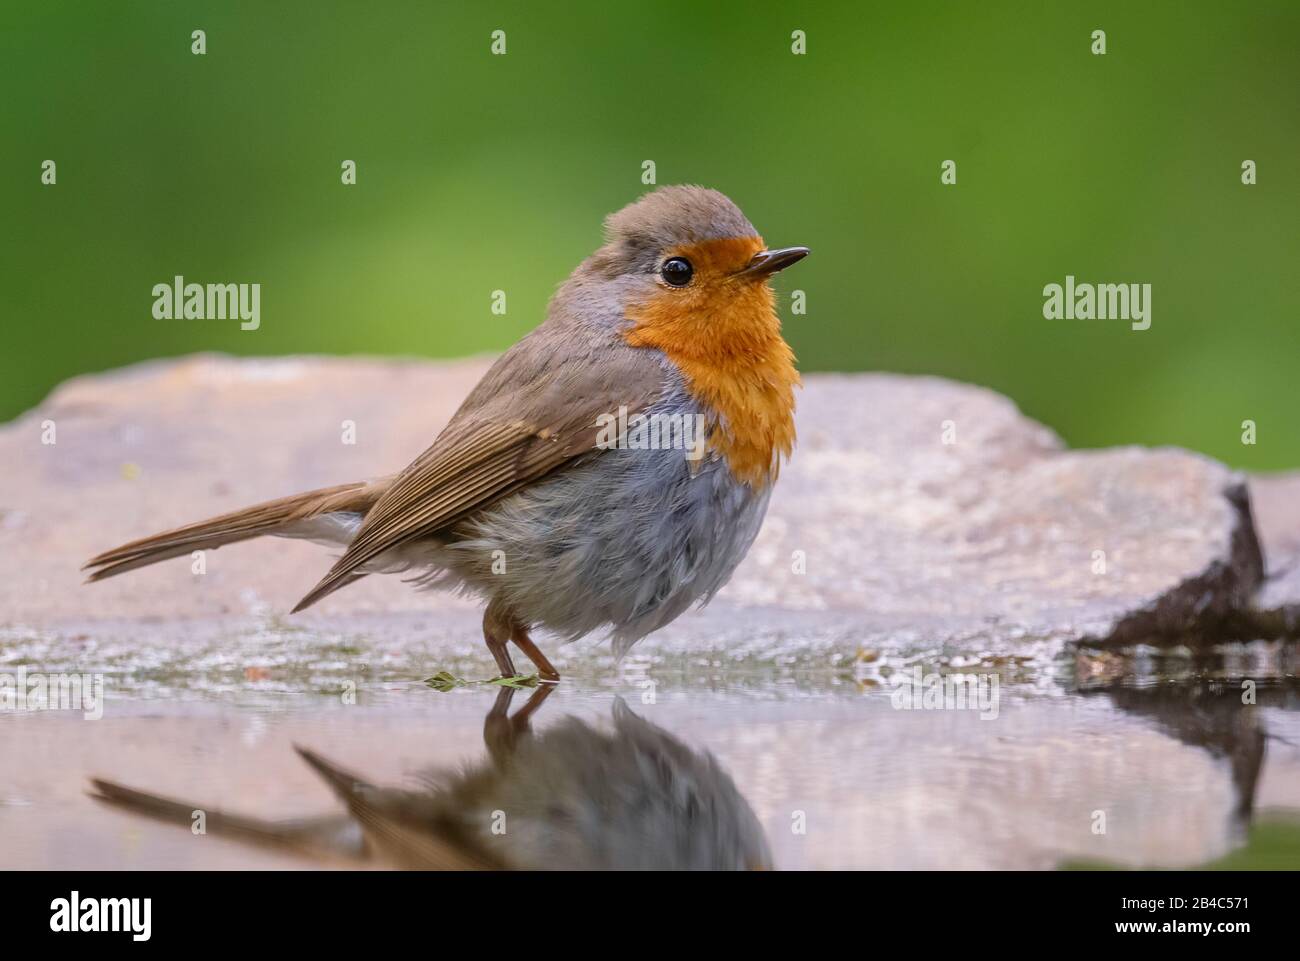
(402, 826)
(535, 411)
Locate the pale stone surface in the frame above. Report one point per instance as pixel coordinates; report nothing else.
(925, 514)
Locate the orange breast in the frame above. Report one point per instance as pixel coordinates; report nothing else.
(724, 336)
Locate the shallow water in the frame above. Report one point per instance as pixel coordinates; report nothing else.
(1143, 760)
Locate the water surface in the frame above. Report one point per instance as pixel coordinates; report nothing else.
(1148, 759)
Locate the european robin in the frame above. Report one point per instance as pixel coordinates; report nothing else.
(575, 797)
(611, 469)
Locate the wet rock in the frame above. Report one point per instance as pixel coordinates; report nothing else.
(1275, 610)
(918, 514)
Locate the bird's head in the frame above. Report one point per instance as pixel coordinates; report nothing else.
(686, 258)
(687, 274)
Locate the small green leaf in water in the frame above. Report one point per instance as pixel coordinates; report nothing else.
(444, 681)
(516, 681)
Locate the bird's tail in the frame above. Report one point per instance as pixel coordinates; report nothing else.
(331, 836)
(330, 514)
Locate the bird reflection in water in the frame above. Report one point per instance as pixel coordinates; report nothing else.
(576, 796)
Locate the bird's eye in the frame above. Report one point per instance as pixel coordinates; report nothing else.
(677, 271)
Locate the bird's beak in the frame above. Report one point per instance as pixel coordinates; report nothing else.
(767, 262)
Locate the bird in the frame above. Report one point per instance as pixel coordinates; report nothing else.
(609, 471)
(578, 796)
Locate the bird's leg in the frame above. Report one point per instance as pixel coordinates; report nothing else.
(499, 628)
(496, 632)
(498, 733)
(501, 732)
(545, 671)
(522, 716)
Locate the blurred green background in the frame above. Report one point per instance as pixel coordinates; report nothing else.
(478, 172)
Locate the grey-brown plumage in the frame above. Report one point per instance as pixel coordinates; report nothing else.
(592, 537)
(574, 797)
